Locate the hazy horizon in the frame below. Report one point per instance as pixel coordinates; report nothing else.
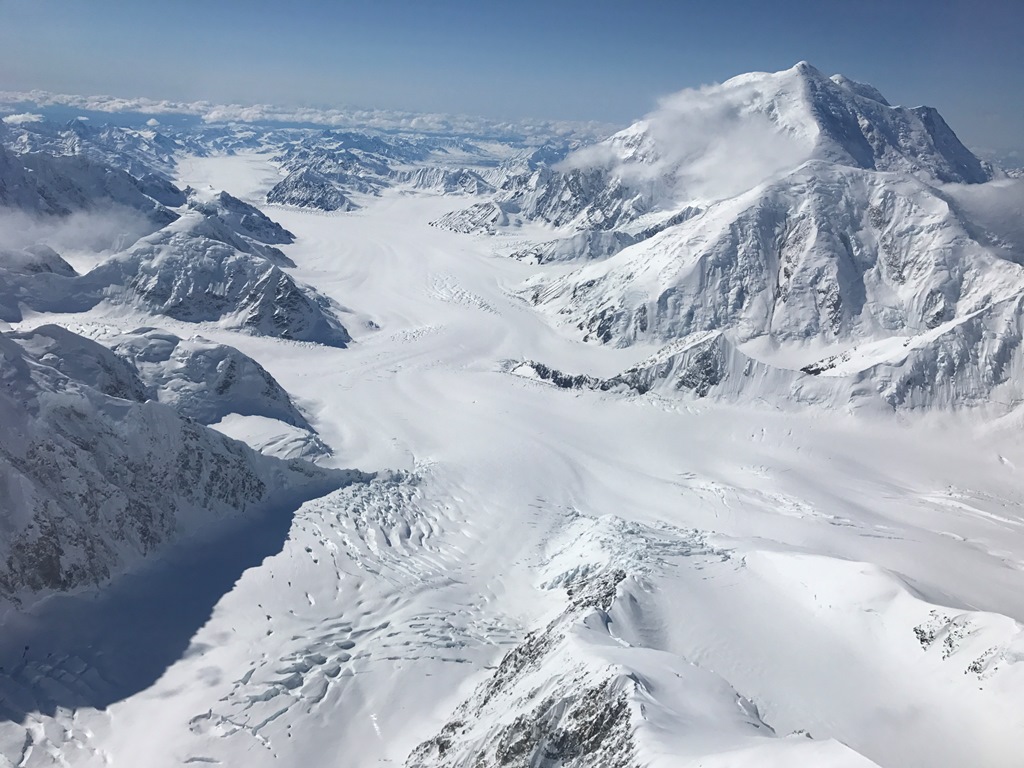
(571, 61)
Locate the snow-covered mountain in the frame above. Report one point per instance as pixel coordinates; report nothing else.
(305, 188)
(635, 493)
(578, 693)
(445, 180)
(195, 270)
(215, 259)
(247, 220)
(96, 480)
(203, 380)
(325, 169)
(479, 218)
(722, 140)
(826, 252)
(850, 242)
(58, 185)
(139, 151)
(350, 163)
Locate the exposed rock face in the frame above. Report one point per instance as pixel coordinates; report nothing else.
(445, 180)
(94, 482)
(582, 718)
(305, 188)
(481, 218)
(975, 361)
(701, 365)
(240, 217)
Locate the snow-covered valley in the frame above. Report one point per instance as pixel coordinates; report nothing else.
(520, 573)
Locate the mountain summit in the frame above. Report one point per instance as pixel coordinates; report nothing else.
(721, 140)
(800, 216)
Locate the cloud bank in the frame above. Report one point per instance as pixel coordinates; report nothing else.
(385, 120)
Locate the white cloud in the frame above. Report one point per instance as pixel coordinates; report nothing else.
(389, 120)
(152, 122)
(21, 119)
(94, 231)
(706, 143)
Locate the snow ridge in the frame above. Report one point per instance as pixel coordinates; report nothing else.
(97, 481)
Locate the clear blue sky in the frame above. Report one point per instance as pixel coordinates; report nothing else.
(554, 59)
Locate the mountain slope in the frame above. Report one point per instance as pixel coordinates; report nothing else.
(827, 252)
(95, 482)
(247, 220)
(719, 141)
(193, 271)
(846, 241)
(202, 380)
(59, 185)
(305, 188)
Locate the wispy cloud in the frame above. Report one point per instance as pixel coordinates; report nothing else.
(701, 143)
(97, 230)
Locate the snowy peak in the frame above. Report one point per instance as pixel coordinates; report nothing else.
(203, 380)
(696, 144)
(716, 142)
(855, 119)
(243, 218)
(198, 270)
(305, 188)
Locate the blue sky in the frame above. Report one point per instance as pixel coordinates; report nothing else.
(559, 59)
